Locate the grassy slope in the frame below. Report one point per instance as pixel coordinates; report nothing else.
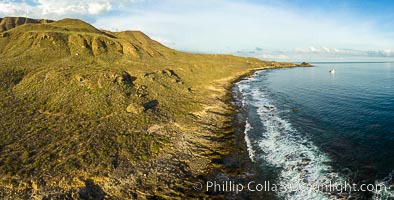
(80, 104)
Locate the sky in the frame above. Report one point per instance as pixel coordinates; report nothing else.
(282, 30)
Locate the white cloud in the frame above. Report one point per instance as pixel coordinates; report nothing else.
(14, 8)
(344, 52)
(381, 53)
(314, 50)
(99, 7)
(388, 52)
(274, 56)
(327, 50)
(212, 26)
(225, 26)
(300, 50)
(315, 54)
(51, 9)
(69, 7)
(164, 41)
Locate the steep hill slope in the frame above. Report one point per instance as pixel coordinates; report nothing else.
(87, 113)
(12, 22)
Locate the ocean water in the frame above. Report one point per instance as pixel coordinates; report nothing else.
(306, 127)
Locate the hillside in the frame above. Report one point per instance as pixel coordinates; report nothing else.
(87, 113)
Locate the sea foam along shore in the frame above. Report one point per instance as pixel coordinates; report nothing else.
(300, 161)
(235, 161)
(284, 147)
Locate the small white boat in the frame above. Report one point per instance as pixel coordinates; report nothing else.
(332, 71)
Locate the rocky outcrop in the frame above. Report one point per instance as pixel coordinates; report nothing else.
(135, 108)
(304, 64)
(151, 104)
(8, 23)
(125, 79)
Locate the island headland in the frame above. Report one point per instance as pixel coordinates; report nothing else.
(93, 114)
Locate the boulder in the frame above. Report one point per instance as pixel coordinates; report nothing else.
(125, 79)
(305, 161)
(135, 108)
(151, 104)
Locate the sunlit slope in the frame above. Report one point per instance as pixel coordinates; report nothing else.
(78, 103)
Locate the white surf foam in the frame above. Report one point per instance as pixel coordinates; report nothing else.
(387, 191)
(303, 166)
(248, 127)
(251, 152)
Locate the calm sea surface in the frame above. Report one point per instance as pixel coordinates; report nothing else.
(307, 126)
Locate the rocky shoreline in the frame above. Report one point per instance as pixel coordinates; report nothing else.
(120, 117)
(208, 148)
(236, 167)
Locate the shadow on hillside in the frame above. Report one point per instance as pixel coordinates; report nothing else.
(150, 104)
(91, 191)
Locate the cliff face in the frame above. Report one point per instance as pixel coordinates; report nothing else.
(8, 23)
(67, 37)
(89, 113)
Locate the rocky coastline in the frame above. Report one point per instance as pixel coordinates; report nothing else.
(237, 167)
(120, 117)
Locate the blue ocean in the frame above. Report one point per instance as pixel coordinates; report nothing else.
(306, 126)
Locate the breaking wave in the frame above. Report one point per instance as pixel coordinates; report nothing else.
(387, 193)
(251, 152)
(301, 163)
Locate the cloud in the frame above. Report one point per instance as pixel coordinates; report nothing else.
(97, 8)
(273, 56)
(300, 50)
(264, 54)
(381, 53)
(344, 52)
(258, 28)
(327, 50)
(164, 41)
(247, 24)
(314, 50)
(318, 54)
(323, 50)
(85, 9)
(15, 8)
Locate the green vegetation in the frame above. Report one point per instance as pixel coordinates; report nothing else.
(80, 104)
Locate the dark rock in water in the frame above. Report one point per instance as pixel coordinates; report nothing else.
(305, 161)
(269, 107)
(304, 64)
(295, 110)
(346, 171)
(151, 104)
(290, 156)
